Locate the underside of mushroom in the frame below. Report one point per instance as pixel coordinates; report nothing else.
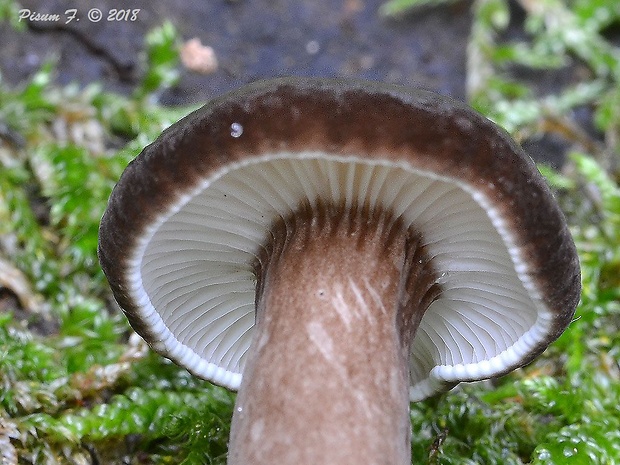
(199, 264)
(348, 258)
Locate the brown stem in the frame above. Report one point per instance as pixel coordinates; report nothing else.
(327, 377)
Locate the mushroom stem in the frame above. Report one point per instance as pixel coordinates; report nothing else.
(339, 300)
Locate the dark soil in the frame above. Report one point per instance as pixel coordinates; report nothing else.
(252, 39)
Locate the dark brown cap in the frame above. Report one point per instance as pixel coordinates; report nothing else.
(192, 212)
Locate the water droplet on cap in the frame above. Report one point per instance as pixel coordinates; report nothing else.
(236, 130)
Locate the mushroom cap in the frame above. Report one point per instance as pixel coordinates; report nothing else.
(189, 216)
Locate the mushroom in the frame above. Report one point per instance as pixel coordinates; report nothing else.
(335, 249)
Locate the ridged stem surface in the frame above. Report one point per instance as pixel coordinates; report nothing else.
(340, 296)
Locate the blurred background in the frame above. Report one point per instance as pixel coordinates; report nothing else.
(250, 40)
